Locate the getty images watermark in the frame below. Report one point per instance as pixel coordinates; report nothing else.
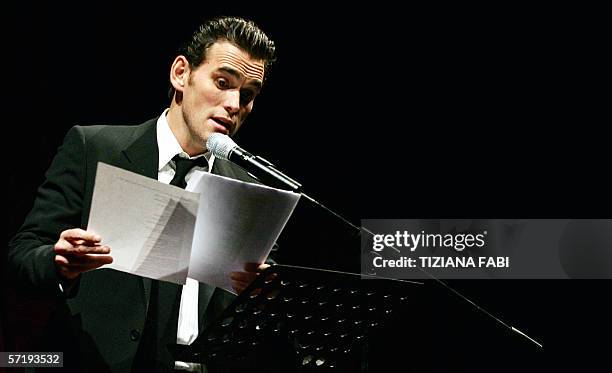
(457, 242)
(487, 248)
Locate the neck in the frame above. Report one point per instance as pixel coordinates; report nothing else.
(181, 131)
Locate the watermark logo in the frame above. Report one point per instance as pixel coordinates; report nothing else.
(411, 241)
(487, 248)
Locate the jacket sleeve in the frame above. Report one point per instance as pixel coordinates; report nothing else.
(58, 206)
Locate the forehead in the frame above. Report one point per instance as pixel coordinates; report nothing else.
(224, 54)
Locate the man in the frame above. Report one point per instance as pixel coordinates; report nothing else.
(112, 321)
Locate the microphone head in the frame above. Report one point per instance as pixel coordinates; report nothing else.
(220, 145)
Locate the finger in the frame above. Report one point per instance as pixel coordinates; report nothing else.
(243, 276)
(255, 267)
(67, 273)
(81, 267)
(87, 259)
(62, 245)
(82, 264)
(64, 249)
(68, 249)
(64, 269)
(80, 234)
(239, 287)
(61, 260)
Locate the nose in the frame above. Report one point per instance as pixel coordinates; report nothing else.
(231, 101)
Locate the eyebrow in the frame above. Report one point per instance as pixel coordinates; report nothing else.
(236, 74)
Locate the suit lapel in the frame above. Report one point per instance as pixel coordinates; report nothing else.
(231, 170)
(141, 156)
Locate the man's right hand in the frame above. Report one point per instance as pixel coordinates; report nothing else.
(79, 251)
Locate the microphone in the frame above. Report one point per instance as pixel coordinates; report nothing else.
(223, 147)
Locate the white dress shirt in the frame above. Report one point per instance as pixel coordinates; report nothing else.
(187, 329)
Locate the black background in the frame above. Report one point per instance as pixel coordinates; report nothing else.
(380, 112)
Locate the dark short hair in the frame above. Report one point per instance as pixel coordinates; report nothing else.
(243, 33)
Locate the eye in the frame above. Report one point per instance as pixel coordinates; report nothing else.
(247, 96)
(222, 83)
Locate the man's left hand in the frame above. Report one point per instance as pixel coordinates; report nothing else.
(241, 280)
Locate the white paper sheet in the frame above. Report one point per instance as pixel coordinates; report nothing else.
(163, 232)
(237, 223)
(147, 224)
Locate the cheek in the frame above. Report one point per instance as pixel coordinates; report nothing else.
(247, 109)
(244, 113)
(203, 94)
(207, 97)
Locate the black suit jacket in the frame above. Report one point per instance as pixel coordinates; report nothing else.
(100, 324)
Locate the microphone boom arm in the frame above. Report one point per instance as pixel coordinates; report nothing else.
(265, 171)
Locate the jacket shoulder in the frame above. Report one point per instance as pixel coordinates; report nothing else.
(103, 134)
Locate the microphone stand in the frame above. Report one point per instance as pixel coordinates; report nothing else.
(270, 176)
(397, 252)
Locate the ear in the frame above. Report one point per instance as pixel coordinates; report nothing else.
(179, 73)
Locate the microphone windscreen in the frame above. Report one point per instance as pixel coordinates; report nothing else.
(220, 145)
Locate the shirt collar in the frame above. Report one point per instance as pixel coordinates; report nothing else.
(168, 144)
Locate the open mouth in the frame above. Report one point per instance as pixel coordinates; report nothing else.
(226, 124)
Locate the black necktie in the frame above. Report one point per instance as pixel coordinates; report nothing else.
(183, 166)
(165, 298)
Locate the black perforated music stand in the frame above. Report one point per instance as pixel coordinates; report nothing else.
(299, 318)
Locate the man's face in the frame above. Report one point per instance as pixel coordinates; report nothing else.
(219, 93)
